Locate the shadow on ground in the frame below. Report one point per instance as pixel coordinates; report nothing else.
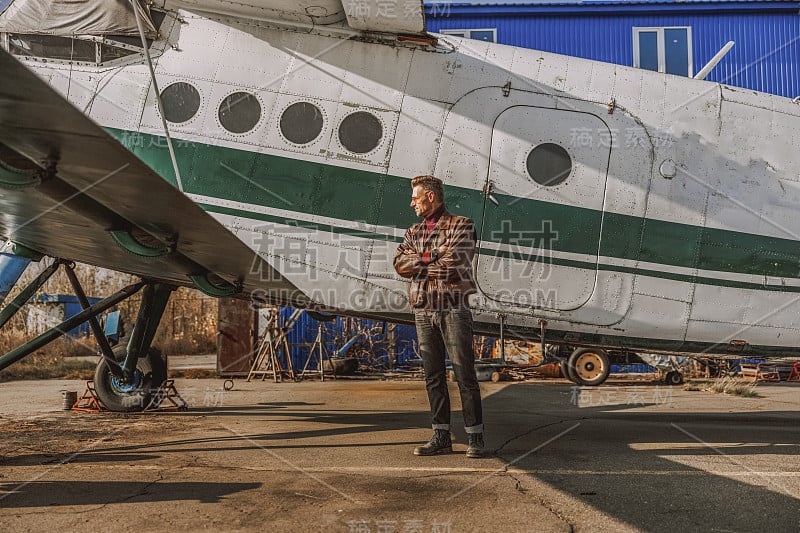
(646, 463)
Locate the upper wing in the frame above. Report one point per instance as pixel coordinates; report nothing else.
(402, 16)
(67, 17)
(66, 185)
(389, 16)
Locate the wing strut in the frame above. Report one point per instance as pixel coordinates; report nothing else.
(127, 375)
(157, 94)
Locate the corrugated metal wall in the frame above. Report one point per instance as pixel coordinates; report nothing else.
(766, 56)
(338, 331)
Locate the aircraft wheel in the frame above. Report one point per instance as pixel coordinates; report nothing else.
(115, 395)
(590, 366)
(673, 378)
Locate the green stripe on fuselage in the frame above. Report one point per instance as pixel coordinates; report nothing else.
(687, 278)
(327, 190)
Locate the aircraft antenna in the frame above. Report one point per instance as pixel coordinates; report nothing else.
(136, 6)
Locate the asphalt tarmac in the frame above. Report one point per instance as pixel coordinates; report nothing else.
(337, 456)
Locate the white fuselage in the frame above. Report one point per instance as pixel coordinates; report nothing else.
(675, 228)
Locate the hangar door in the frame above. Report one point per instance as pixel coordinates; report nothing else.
(543, 210)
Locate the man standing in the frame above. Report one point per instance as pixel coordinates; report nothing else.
(436, 255)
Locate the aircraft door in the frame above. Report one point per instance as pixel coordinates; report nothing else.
(543, 209)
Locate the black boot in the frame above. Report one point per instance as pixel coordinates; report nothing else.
(476, 448)
(440, 443)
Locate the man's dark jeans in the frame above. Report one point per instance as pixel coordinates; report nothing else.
(449, 332)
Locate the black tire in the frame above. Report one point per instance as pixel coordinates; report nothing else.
(589, 366)
(674, 378)
(345, 366)
(151, 371)
(566, 371)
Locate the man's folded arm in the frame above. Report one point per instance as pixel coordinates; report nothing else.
(456, 254)
(407, 261)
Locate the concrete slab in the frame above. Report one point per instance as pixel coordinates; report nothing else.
(336, 456)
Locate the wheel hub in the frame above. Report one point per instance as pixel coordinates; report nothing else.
(589, 366)
(127, 387)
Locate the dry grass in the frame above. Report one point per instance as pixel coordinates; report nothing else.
(194, 373)
(54, 361)
(44, 366)
(732, 386)
(62, 347)
(186, 345)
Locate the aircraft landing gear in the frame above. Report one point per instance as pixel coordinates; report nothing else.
(588, 366)
(128, 374)
(118, 394)
(140, 368)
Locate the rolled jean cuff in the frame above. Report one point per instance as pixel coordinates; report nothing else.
(442, 426)
(474, 429)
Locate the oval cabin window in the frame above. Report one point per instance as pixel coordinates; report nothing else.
(301, 123)
(239, 112)
(360, 132)
(549, 164)
(181, 102)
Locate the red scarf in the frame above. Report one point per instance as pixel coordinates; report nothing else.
(431, 220)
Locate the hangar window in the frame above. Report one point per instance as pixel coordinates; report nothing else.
(239, 112)
(181, 102)
(485, 34)
(549, 164)
(667, 50)
(360, 132)
(301, 122)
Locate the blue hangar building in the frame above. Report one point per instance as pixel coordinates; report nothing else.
(673, 36)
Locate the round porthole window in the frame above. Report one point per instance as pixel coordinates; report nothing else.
(181, 102)
(360, 132)
(239, 112)
(549, 164)
(301, 122)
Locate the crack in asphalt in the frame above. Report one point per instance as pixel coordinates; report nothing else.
(139, 492)
(518, 483)
(525, 433)
(143, 490)
(555, 512)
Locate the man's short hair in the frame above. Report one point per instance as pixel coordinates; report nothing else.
(430, 183)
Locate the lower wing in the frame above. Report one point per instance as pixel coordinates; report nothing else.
(70, 190)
